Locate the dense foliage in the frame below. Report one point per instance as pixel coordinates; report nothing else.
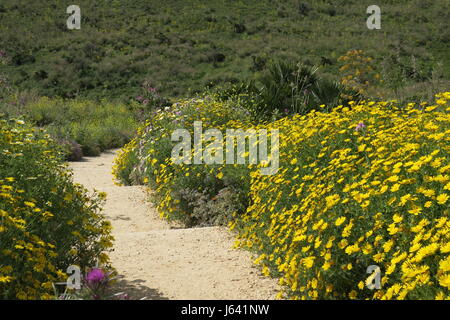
(367, 184)
(363, 179)
(83, 127)
(183, 46)
(47, 222)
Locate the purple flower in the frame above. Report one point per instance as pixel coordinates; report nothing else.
(95, 276)
(146, 101)
(139, 98)
(360, 126)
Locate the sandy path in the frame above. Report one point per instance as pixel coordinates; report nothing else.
(156, 260)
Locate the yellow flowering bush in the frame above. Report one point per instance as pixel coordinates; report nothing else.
(191, 193)
(357, 187)
(359, 72)
(47, 222)
(363, 185)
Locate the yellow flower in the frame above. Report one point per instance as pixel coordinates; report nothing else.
(445, 281)
(6, 279)
(378, 257)
(415, 211)
(393, 229)
(347, 230)
(445, 248)
(440, 296)
(395, 187)
(340, 221)
(397, 218)
(442, 198)
(367, 248)
(393, 178)
(30, 204)
(326, 265)
(308, 262)
(343, 243)
(353, 294)
(387, 246)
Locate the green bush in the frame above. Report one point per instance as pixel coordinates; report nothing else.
(178, 45)
(95, 126)
(286, 88)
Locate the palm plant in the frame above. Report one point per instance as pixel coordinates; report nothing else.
(287, 87)
(284, 86)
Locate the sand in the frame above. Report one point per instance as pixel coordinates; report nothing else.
(158, 260)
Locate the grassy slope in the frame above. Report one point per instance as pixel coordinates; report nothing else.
(174, 43)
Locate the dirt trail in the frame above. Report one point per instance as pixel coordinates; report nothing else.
(157, 260)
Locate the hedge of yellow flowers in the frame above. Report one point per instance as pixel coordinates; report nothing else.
(358, 187)
(364, 185)
(146, 159)
(47, 222)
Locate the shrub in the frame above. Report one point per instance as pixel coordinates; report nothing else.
(148, 101)
(184, 192)
(360, 187)
(359, 72)
(95, 126)
(47, 222)
(287, 88)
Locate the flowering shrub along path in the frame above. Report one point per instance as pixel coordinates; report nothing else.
(157, 260)
(358, 187)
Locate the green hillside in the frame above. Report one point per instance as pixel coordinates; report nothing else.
(183, 46)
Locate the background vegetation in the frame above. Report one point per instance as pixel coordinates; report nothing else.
(182, 46)
(83, 127)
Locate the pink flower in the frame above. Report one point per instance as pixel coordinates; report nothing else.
(360, 126)
(95, 276)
